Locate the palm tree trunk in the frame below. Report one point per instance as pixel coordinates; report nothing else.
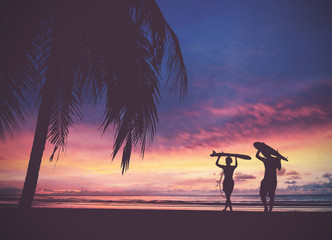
(37, 151)
(49, 94)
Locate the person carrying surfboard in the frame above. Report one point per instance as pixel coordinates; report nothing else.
(228, 170)
(271, 164)
(228, 183)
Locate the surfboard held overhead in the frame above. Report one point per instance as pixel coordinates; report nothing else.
(222, 154)
(267, 151)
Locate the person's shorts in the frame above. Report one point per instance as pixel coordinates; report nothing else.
(268, 187)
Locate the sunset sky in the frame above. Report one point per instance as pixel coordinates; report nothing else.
(257, 71)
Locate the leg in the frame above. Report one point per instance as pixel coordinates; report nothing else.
(272, 194)
(225, 206)
(263, 197)
(228, 201)
(271, 202)
(263, 194)
(230, 205)
(226, 188)
(230, 193)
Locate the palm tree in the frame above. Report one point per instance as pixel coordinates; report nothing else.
(17, 73)
(86, 52)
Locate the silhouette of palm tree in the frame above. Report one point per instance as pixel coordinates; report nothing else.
(16, 69)
(85, 52)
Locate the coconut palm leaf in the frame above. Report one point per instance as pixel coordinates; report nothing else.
(69, 61)
(19, 73)
(66, 106)
(125, 61)
(148, 16)
(131, 88)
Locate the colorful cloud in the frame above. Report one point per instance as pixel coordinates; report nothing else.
(257, 71)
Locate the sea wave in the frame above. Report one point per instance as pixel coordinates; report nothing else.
(296, 201)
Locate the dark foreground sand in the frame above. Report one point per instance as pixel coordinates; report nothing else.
(92, 224)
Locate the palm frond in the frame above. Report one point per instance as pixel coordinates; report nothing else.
(70, 62)
(132, 51)
(17, 67)
(148, 16)
(132, 91)
(86, 51)
(11, 112)
(66, 106)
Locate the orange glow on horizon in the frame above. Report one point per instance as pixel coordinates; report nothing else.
(86, 164)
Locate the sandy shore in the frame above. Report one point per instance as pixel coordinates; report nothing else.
(44, 223)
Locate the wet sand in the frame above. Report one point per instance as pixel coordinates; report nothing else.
(47, 223)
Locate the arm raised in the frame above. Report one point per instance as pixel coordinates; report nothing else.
(217, 163)
(259, 157)
(279, 164)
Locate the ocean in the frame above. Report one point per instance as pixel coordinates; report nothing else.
(302, 203)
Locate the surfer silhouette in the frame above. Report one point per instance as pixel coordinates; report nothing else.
(228, 183)
(272, 162)
(269, 182)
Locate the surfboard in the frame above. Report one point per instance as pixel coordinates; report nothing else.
(222, 154)
(267, 151)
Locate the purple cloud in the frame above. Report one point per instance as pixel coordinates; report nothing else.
(328, 176)
(243, 177)
(10, 191)
(206, 122)
(316, 187)
(293, 175)
(290, 182)
(294, 178)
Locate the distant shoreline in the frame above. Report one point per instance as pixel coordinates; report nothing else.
(283, 203)
(157, 195)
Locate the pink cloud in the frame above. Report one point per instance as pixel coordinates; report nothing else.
(243, 177)
(212, 125)
(284, 172)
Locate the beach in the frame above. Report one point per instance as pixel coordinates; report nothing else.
(48, 223)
